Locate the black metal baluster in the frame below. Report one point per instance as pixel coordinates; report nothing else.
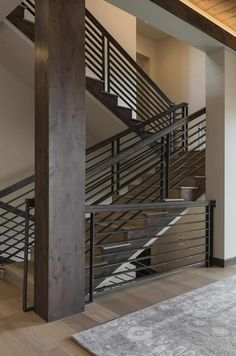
(118, 167)
(108, 67)
(104, 62)
(91, 261)
(162, 178)
(185, 114)
(210, 233)
(113, 168)
(167, 167)
(29, 203)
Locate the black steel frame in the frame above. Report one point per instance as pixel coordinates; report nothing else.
(199, 253)
(29, 205)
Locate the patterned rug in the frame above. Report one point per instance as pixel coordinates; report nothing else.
(199, 323)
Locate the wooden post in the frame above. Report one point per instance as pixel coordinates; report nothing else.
(60, 157)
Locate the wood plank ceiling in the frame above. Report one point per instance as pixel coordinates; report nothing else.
(224, 11)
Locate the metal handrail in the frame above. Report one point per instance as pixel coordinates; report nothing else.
(144, 142)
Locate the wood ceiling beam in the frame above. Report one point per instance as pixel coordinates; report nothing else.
(189, 15)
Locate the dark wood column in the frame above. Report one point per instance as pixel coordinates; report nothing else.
(60, 157)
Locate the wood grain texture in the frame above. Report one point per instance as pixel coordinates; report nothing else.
(222, 10)
(197, 20)
(60, 157)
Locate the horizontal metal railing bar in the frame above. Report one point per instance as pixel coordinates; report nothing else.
(100, 154)
(96, 47)
(147, 267)
(177, 137)
(14, 187)
(186, 158)
(130, 68)
(136, 129)
(196, 139)
(188, 171)
(26, 4)
(126, 55)
(175, 184)
(126, 99)
(145, 149)
(123, 182)
(122, 185)
(94, 55)
(143, 199)
(92, 31)
(14, 210)
(158, 241)
(187, 165)
(88, 59)
(133, 98)
(99, 74)
(147, 206)
(149, 257)
(147, 218)
(153, 99)
(154, 276)
(135, 229)
(20, 196)
(165, 224)
(133, 168)
(30, 3)
(127, 152)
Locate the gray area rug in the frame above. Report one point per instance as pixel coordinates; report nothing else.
(199, 323)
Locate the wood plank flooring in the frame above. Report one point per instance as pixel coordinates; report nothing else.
(25, 334)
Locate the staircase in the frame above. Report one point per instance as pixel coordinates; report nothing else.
(143, 185)
(112, 76)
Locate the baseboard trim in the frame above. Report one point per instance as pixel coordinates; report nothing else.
(223, 263)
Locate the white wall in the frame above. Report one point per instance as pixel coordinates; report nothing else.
(230, 154)
(16, 128)
(215, 144)
(7, 6)
(221, 148)
(177, 68)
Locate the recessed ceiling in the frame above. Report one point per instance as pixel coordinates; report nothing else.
(223, 12)
(149, 31)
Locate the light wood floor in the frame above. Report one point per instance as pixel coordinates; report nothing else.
(25, 334)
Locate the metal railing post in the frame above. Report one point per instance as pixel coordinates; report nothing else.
(162, 181)
(91, 262)
(29, 203)
(209, 234)
(167, 167)
(118, 167)
(113, 168)
(185, 142)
